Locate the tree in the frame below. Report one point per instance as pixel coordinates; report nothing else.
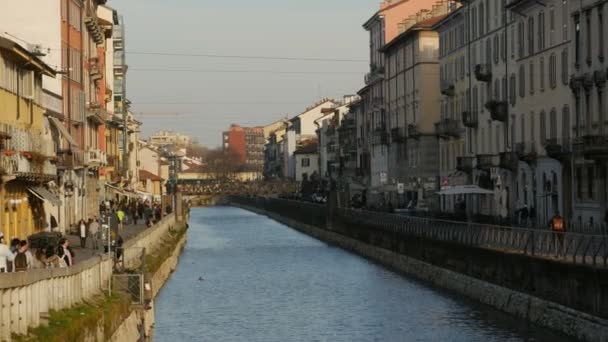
(222, 164)
(197, 151)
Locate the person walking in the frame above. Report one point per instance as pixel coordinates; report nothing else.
(6, 256)
(65, 253)
(94, 232)
(82, 233)
(20, 261)
(559, 228)
(120, 216)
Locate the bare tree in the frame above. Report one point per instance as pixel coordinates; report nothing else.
(222, 164)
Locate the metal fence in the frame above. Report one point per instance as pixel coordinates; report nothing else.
(571, 247)
(131, 285)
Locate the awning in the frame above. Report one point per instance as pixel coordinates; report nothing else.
(45, 195)
(465, 190)
(115, 188)
(63, 131)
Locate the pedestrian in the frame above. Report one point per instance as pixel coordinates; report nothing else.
(559, 228)
(28, 253)
(20, 261)
(64, 252)
(82, 233)
(120, 216)
(54, 224)
(6, 257)
(94, 232)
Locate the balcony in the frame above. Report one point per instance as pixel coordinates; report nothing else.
(487, 161)
(526, 151)
(380, 137)
(94, 29)
(470, 119)
(95, 73)
(412, 131)
(70, 159)
(94, 158)
(378, 102)
(483, 72)
(96, 113)
(498, 110)
(559, 149)
(448, 128)
(447, 88)
(398, 135)
(509, 160)
(594, 147)
(465, 164)
(376, 74)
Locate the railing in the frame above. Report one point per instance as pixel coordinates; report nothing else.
(447, 88)
(470, 119)
(483, 72)
(576, 248)
(571, 247)
(465, 164)
(448, 128)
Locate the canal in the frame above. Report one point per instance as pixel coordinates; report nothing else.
(244, 277)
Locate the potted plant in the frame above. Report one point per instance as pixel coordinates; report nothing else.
(9, 152)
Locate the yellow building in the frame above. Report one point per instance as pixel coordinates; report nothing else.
(27, 153)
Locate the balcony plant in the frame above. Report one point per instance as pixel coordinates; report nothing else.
(9, 152)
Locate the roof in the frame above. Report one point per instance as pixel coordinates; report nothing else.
(424, 25)
(145, 175)
(308, 148)
(26, 57)
(447, 18)
(384, 6)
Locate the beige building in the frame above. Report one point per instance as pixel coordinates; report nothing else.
(412, 102)
(306, 161)
(165, 138)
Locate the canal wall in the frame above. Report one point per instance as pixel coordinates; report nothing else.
(77, 295)
(490, 277)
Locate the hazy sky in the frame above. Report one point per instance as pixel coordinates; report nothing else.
(210, 101)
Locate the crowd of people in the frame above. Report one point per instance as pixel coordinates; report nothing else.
(93, 233)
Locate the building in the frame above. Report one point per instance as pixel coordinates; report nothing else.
(306, 159)
(412, 104)
(585, 27)
(248, 144)
(273, 151)
(27, 153)
(166, 138)
(150, 184)
(373, 121)
(301, 128)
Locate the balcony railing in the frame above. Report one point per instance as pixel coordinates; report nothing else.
(509, 160)
(380, 137)
(487, 161)
(526, 151)
(398, 135)
(376, 74)
(447, 128)
(95, 158)
(483, 72)
(498, 110)
(559, 148)
(447, 88)
(70, 159)
(465, 164)
(593, 147)
(412, 131)
(470, 119)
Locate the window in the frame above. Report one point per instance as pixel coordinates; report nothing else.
(566, 122)
(577, 41)
(474, 22)
(565, 66)
(551, 25)
(553, 124)
(600, 32)
(553, 71)
(512, 92)
(503, 46)
(504, 89)
(530, 35)
(305, 162)
(532, 128)
(590, 182)
(522, 81)
(481, 19)
(496, 90)
(588, 21)
(489, 52)
(579, 183)
(543, 127)
(520, 39)
(496, 48)
(541, 31)
(522, 120)
(531, 77)
(542, 74)
(565, 19)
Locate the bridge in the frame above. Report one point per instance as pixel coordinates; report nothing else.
(217, 187)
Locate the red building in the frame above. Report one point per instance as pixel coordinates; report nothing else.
(247, 143)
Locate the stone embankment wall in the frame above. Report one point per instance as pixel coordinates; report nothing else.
(27, 298)
(467, 271)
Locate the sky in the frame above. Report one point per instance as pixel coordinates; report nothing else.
(202, 96)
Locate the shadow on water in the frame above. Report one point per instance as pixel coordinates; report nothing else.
(244, 277)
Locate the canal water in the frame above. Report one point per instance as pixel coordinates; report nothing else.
(244, 277)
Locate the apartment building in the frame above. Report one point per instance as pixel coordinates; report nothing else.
(27, 153)
(587, 32)
(412, 101)
(248, 143)
(166, 138)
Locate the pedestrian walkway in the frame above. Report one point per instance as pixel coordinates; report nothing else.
(82, 254)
